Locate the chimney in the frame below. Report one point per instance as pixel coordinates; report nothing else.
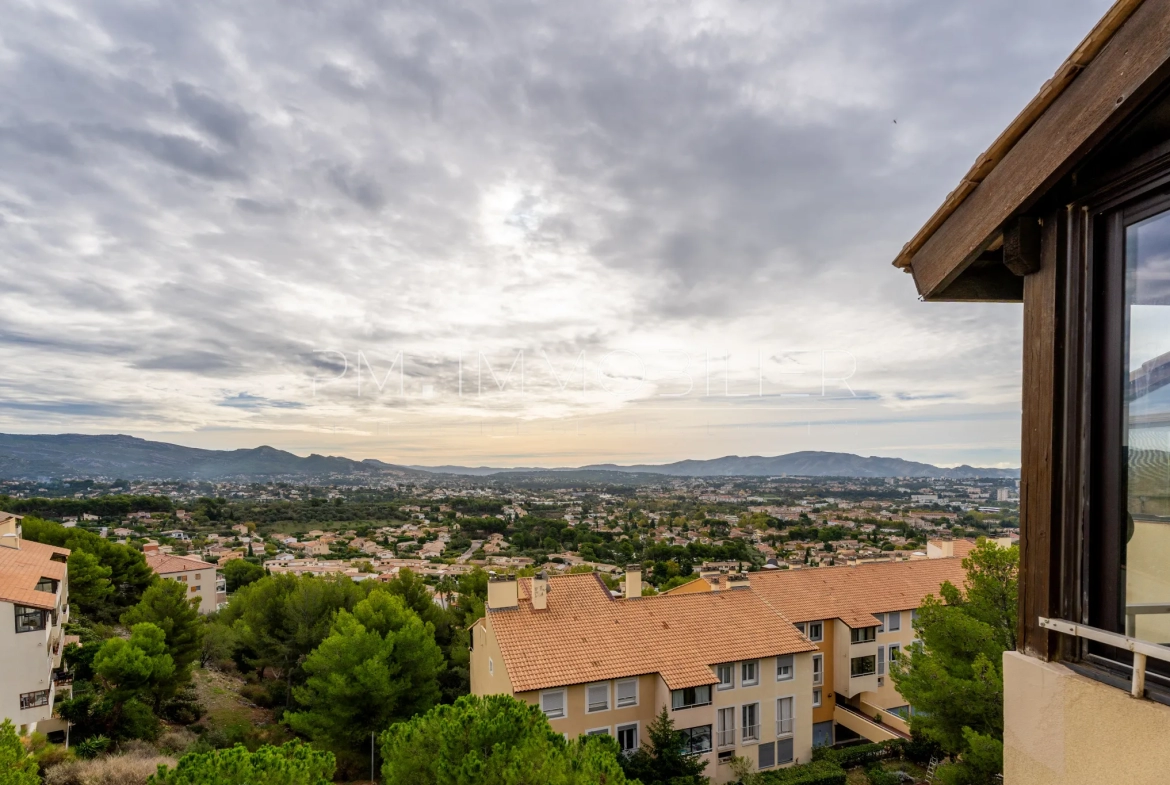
(633, 581)
(502, 592)
(710, 575)
(738, 580)
(9, 531)
(540, 591)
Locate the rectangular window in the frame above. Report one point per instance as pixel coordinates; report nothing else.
(627, 693)
(816, 631)
(914, 617)
(31, 700)
(597, 732)
(894, 621)
(725, 727)
(726, 675)
(29, 619)
(627, 737)
(751, 722)
(767, 755)
(800, 627)
(818, 662)
(895, 651)
(691, 696)
(47, 584)
(784, 716)
(750, 673)
(863, 635)
(491, 667)
(816, 699)
(784, 667)
(881, 617)
(696, 740)
(863, 666)
(553, 704)
(784, 749)
(881, 661)
(597, 697)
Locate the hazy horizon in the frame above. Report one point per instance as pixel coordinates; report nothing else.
(509, 235)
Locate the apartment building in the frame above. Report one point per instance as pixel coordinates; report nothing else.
(203, 581)
(733, 674)
(860, 618)
(34, 606)
(1068, 213)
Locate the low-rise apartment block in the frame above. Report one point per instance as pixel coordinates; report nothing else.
(34, 606)
(763, 665)
(202, 579)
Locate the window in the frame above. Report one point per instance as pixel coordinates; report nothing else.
(725, 725)
(598, 732)
(881, 661)
(491, 667)
(751, 722)
(816, 698)
(914, 617)
(30, 700)
(894, 621)
(784, 669)
(696, 740)
(767, 755)
(691, 696)
(816, 631)
(862, 666)
(750, 673)
(29, 619)
(800, 627)
(553, 704)
(863, 635)
(784, 716)
(818, 662)
(726, 676)
(47, 584)
(627, 693)
(881, 617)
(784, 750)
(597, 697)
(894, 650)
(195, 589)
(727, 756)
(198, 576)
(627, 737)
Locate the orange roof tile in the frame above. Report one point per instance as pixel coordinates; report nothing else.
(165, 563)
(22, 568)
(585, 635)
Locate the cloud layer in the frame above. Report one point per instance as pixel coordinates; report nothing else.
(209, 209)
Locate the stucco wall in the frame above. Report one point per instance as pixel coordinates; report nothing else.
(1063, 728)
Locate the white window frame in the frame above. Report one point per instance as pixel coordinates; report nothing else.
(881, 661)
(791, 674)
(744, 739)
(744, 682)
(725, 685)
(881, 617)
(818, 672)
(564, 703)
(820, 625)
(895, 615)
(637, 736)
(817, 698)
(589, 700)
(782, 734)
(491, 667)
(719, 743)
(890, 651)
(604, 731)
(617, 701)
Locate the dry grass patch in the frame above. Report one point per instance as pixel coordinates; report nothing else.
(130, 769)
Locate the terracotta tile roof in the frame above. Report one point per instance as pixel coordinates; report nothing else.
(852, 593)
(22, 568)
(165, 563)
(585, 635)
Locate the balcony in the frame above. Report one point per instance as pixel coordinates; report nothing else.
(63, 677)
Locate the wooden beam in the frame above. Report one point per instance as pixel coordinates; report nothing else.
(1021, 245)
(1134, 63)
(993, 283)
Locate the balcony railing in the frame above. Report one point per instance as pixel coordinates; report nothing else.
(62, 677)
(751, 733)
(725, 738)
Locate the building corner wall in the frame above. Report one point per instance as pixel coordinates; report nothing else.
(1061, 727)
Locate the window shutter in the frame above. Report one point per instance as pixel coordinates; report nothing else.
(895, 621)
(881, 617)
(767, 755)
(784, 665)
(784, 750)
(881, 662)
(627, 692)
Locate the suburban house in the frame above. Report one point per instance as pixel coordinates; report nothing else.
(34, 606)
(201, 578)
(763, 666)
(1068, 212)
(861, 619)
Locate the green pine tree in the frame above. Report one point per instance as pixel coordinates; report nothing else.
(664, 760)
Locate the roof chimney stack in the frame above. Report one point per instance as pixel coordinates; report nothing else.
(9, 530)
(633, 581)
(502, 592)
(540, 591)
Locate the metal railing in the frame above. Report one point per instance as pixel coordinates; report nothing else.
(1141, 649)
(62, 677)
(725, 738)
(751, 732)
(1141, 609)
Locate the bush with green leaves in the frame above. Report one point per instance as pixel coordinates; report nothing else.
(860, 754)
(17, 767)
(92, 747)
(293, 763)
(494, 740)
(879, 776)
(819, 772)
(663, 760)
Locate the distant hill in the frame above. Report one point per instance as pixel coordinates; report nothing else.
(131, 458)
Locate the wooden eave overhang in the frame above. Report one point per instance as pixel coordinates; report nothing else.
(960, 253)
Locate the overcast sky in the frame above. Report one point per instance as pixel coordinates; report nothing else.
(337, 229)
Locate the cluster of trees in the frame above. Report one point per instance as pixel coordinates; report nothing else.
(115, 506)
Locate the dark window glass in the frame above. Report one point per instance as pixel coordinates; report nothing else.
(697, 740)
(691, 696)
(863, 635)
(29, 619)
(863, 666)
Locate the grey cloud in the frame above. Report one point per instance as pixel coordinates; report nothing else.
(226, 123)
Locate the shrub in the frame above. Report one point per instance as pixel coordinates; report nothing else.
(292, 764)
(921, 749)
(177, 741)
(879, 776)
(92, 747)
(133, 769)
(820, 772)
(861, 754)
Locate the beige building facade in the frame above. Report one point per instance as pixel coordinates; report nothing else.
(203, 581)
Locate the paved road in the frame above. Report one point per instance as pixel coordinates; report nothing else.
(466, 557)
